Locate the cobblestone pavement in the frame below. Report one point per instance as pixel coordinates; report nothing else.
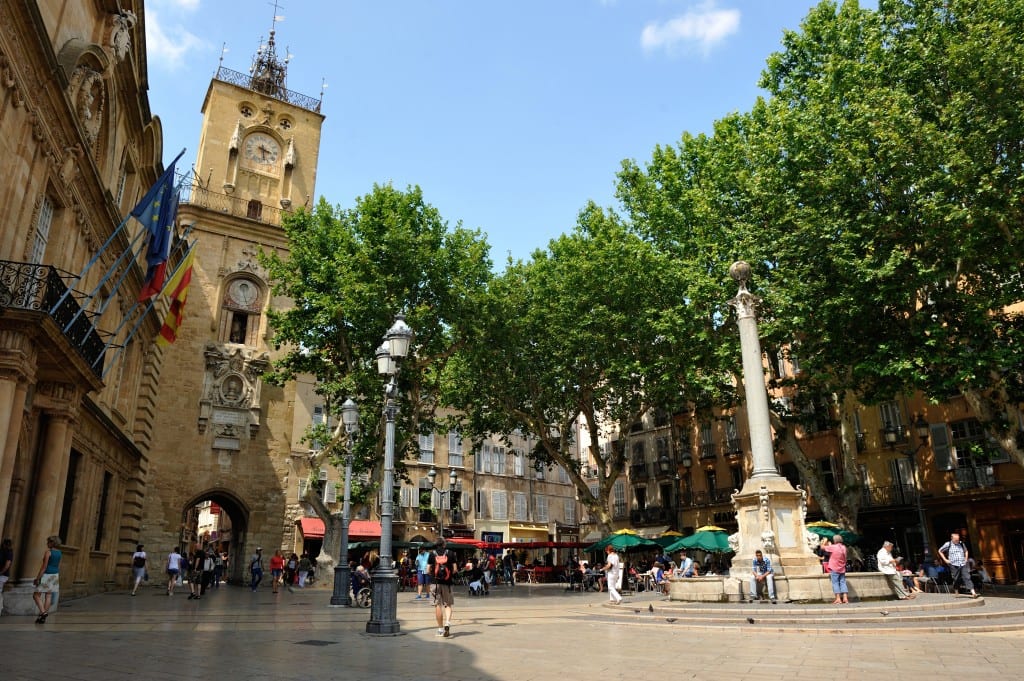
(529, 632)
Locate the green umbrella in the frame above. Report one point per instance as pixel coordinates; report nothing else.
(713, 541)
(825, 529)
(622, 541)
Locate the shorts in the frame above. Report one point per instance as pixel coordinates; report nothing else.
(172, 572)
(443, 595)
(422, 578)
(49, 584)
(139, 572)
(276, 573)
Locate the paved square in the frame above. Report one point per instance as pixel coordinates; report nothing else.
(525, 633)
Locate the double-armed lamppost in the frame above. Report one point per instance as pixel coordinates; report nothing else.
(384, 608)
(342, 576)
(922, 430)
(453, 479)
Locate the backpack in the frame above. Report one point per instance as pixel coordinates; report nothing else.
(442, 571)
(139, 561)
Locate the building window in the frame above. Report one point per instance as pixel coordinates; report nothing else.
(318, 419)
(540, 508)
(69, 493)
(241, 312)
(481, 503)
(518, 506)
(498, 460)
(569, 511)
(42, 232)
(660, 418)
(499, 505)
(828, 474)
(639, 453)
(518, 462)
(101, 519)
(640, 493)
(455, 457)
(889, 412)
(427, 448)
(254, 210)
(619, 499)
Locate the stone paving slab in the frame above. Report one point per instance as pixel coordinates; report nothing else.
(524, 633)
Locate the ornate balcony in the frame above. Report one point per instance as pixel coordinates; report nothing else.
(889, 495)
(41, 289)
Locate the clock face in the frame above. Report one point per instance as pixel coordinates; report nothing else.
(243, 292)
(262, 149)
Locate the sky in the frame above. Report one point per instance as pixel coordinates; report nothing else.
(510, 116)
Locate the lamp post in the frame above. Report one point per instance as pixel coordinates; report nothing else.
(921, 428)
(453, 479)
(687, 461)
(384, 608)
(342, 576)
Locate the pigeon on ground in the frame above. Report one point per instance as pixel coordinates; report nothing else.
(750, 620)
(650, 608)
(671, 619)
(636, 611)
(883, 613)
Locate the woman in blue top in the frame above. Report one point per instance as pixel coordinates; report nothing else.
(47, 582)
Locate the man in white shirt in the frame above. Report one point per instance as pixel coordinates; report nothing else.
(685, 568)
(887, 566)
(613, 575)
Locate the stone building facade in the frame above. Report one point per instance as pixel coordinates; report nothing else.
(78, 366)
(223, 434)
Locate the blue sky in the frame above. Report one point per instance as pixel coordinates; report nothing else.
(509, 115)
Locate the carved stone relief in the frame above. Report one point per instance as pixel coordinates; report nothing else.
(121, 26)
(231, 394)
(89, 92)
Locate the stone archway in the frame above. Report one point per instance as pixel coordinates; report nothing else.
(230, 537)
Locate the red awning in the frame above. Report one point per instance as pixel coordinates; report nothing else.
(313, 528)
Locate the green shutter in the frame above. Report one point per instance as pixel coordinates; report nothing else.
(944, 460)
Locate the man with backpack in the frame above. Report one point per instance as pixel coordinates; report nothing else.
(442, 566)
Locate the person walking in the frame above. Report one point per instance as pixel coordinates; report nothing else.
(276, 569)
(138, 567)
(47, 581)
(954, 554)
(442, 566)
(887, 566)
(613, 575)
(195, 574)
(422, 576)
(837, 568)
(218, 567)
(174, 560)
(209, 564)
(305, 565)
(256, 568)
(6, 560)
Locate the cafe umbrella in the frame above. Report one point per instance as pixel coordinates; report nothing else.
(709, 538)
(827, 530)
(622, 540)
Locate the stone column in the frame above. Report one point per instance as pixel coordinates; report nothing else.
(769, 511)
(12, 412)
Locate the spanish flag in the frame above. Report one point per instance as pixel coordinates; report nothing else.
(178, 291)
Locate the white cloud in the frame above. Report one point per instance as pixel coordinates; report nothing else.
(167, 46)
(702, 27)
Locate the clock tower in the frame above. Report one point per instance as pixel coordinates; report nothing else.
(228, 444)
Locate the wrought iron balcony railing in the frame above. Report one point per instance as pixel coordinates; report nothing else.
(708, 450)
(889, 495)
(41, 288)
(245, 80)
(195, 195)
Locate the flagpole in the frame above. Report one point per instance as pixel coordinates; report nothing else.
(142, 317)
(102, 249)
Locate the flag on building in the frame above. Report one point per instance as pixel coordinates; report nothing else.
(177, 290)
(157, 211)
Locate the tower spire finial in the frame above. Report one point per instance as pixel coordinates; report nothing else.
(270, 74)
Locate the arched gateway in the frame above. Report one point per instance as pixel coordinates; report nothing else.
(218, 517)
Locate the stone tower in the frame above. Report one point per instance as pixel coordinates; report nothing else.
(221, 434)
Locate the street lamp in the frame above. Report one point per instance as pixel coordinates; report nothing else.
(453, 479)
(687, 460)
(891, 435)
(342, 576)
(384, 607)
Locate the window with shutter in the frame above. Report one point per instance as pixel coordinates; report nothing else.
(570, 511)
(499, 505)
(42, 232)
(540, 508)
(481, 503)
(518, 506)
(940, 447)
(330, 493)
(518, 463)
(303, 484)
